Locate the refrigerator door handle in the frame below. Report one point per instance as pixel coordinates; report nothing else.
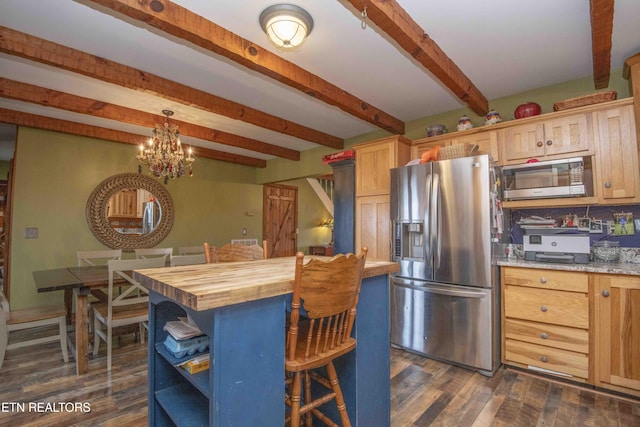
(427, 223)
(442, 291)
(435, 231)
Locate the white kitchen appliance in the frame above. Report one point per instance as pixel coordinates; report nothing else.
(557, 245)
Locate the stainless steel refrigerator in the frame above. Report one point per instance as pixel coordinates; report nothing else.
(150, 216)
(445, 298)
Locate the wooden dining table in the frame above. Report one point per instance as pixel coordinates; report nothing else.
(82, 280)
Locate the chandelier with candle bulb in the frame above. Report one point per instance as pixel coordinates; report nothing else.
(164, 154)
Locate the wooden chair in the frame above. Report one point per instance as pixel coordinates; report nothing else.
(147, 253)
(31, 318)
(190, 250)
(235, 252)
(130, 306)
(187, 259)
(328, 292)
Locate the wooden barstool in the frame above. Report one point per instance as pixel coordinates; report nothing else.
(328, 292)
(234, 252)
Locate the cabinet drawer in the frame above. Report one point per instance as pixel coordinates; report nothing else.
(547, 279)
(562, 337)
(548, 306)
(566, 362)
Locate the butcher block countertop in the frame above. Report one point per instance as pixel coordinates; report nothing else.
(207, 286)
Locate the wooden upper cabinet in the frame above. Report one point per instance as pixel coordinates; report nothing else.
(487, 143)
(631, 72)
(571, 134)
(129, 203)
(375, 159)
(523, 142)
(551, 137)
(124, 204)
(426, 144)
(617, 177)
(486, 140)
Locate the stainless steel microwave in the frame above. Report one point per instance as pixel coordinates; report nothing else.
(548, 179)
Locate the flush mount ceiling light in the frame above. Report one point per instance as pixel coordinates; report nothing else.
(286, 25)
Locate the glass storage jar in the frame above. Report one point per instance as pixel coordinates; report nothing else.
(606, 251)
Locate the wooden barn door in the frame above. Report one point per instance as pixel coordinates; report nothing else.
(280, 217)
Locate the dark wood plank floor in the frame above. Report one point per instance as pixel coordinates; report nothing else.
(424, 392)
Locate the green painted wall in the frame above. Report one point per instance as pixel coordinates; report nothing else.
(4, 169)
(54, 175)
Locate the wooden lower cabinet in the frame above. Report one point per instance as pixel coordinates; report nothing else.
(576, 325)
(617, 332)
(374, 226)
(545, 319)
(555, 336)
(562, 362)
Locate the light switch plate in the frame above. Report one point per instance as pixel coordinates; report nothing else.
(31, 232)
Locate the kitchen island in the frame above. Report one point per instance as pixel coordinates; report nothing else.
(242, 308)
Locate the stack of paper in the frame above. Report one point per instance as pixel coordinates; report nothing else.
(182, 329)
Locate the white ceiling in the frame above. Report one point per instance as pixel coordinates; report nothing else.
(504, 47)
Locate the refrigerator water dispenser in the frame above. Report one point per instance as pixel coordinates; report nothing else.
(408, 240)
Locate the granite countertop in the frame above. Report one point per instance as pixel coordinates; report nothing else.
(592, 267)
(629, 265)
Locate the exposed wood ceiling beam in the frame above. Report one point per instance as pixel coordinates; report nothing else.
(51, 98)
(180, 22)
(41, 122)
(391, 18)
(601, 31)
(43, 51)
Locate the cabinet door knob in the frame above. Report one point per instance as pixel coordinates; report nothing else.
(544, 359)
(544, 336)
(543, 280)
(605, 293)
(543, 309)
(549, 142)
(539, 143)
(607, 184)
